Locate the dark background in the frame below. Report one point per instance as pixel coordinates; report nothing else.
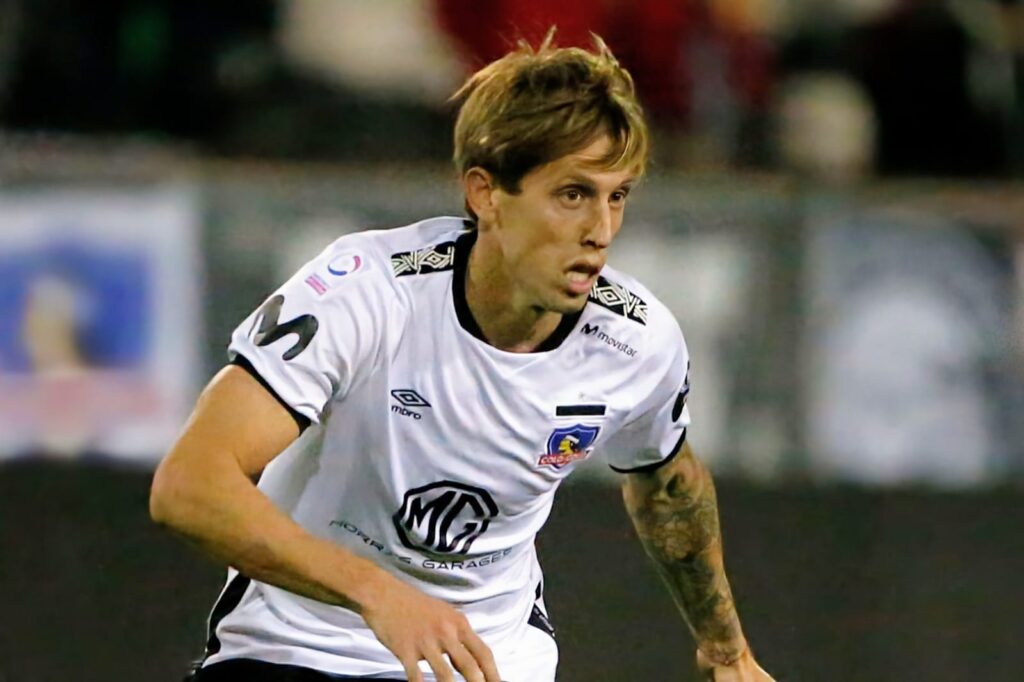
(839, 584)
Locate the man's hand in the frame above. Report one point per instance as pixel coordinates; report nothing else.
(743, 669)
(416, 627)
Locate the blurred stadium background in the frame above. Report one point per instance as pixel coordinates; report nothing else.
(834, 212)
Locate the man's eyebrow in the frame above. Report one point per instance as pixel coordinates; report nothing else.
(588, 184)
(580, 180)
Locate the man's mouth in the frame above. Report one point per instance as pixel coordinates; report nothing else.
(581, 276)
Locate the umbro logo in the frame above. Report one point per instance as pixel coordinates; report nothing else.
(408, 398)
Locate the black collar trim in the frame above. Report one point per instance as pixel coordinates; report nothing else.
(463, 245)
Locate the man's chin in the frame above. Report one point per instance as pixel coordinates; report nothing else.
(568, 303)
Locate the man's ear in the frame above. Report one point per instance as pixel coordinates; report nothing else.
(480, 190)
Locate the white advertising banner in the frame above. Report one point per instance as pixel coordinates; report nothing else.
(100, 328)
(908, 336)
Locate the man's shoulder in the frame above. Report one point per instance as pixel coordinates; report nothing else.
(625, 302)
(377, 257)
(420, 248)
(424, 247)
(412, 237)
(625, 316)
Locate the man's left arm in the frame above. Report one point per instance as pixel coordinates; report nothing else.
(675, 512)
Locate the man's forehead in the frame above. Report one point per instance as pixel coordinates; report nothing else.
(592, 170)
(594, 152)
(593, 161)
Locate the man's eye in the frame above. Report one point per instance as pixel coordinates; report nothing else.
(573, 195)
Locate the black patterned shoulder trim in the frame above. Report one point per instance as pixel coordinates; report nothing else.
(436, 258)
(619, 299)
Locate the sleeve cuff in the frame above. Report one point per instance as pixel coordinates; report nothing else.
(647, 468)
(240, 360)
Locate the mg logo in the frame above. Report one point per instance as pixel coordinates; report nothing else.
(444, 517)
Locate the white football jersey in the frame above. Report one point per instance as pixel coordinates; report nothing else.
(433, 453)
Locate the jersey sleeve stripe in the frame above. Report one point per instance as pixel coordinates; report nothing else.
(241, 361)
(619, 300)
(647, 468)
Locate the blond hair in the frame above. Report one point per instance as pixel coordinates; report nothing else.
(533, 106)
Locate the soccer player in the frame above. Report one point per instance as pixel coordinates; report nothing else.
(413, 398)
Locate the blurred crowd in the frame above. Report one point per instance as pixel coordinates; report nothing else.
(838, 89)
(858, 331)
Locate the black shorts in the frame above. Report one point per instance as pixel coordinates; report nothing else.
(247, 670)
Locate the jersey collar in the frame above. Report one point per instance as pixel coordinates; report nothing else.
(463, 245)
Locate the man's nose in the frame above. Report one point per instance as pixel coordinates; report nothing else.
(600, 234)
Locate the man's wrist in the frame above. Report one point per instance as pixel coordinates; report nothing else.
(724, 653)
(360, 583)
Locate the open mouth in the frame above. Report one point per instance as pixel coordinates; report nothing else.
(581, 276)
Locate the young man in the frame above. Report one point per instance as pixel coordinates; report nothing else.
(445, 377)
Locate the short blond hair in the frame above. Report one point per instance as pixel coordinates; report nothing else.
(533, 106)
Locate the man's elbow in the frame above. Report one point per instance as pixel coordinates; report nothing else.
(167, 495)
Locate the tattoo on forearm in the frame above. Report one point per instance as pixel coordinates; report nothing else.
(678, 525)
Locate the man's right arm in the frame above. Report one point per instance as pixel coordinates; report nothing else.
(203, 490)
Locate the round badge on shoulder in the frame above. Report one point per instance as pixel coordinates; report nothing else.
(345, 264)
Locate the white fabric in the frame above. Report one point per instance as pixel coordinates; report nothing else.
(427, 449)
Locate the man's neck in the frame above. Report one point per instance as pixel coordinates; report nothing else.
(505, 319)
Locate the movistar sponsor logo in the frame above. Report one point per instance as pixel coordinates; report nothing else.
(595, 331)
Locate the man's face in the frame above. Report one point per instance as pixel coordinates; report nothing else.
(555, 233)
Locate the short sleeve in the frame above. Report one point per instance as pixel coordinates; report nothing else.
(314, 337)
(656, 428)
